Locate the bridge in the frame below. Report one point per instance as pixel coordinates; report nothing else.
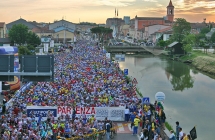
(134, 49)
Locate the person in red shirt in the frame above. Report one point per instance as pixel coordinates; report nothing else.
(16, 110)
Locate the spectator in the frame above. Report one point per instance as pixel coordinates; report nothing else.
(172, 135)
(177, 130)
(136, 123)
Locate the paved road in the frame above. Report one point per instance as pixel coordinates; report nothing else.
(124, 132)
(125, 137)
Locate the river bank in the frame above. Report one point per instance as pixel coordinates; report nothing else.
(201, 61)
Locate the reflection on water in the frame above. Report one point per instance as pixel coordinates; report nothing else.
(180, 75)
(190, 96)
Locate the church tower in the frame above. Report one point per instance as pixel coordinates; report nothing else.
(170, 11)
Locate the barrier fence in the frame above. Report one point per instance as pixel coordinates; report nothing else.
(17, 94)
(94, 135)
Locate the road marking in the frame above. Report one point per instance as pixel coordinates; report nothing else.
(129, 127)
(121, 127)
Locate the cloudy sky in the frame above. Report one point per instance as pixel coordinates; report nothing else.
(99, 10)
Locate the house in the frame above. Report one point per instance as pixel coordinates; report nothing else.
(63, 34)
(208, 35)
(163, 34)
(149, 30)
(61, 23)
(176, 48)
(43, 31)
(20, 21)
(2, 30)
(196, 27)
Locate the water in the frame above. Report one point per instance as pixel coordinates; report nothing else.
(190, 95)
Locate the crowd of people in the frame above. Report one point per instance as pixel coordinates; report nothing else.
(84, 77)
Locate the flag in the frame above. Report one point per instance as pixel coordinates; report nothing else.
(193, 133)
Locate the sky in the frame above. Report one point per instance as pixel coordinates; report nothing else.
(99, 10)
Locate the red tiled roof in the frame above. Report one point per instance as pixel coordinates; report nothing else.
(42, 30)
(164, 30)
(2, 24)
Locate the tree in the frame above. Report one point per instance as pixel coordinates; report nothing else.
(18, 34)
(23, 50)
(204, 45)
(204, 30)
(213, 40)
(101, 32)
(33, 39)
(162, 43)
(189, 42)
(180, 29)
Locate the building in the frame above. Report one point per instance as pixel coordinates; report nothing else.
(141, 22)
(63, 34)
(208, 35)
(176, 48)
(162, 34)
(149, 30)
(2, 30)
(196, 27)
(43, 31)
(114, 22)
(124, 30)
(61, 23)
(20, 21)
(5, 42)
(126, 20)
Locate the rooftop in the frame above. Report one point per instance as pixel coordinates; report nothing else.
(20, 21)
(149, 18)
(164, 30)
(170, 4)
(63, 28)
(2, 24)
(172, 44)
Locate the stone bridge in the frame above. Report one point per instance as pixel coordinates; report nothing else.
(134, 49)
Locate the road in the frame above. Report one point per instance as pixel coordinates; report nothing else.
(124, 132)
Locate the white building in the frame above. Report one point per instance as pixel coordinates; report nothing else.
(152, 29)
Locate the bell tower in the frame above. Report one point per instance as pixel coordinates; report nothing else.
(170, 11)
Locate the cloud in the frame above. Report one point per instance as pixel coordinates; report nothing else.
(150, 0)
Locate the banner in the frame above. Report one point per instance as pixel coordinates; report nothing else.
(112, 113)
(41, 110)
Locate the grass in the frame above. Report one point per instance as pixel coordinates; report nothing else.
(139, 93)
(193, 55)
(169, 127)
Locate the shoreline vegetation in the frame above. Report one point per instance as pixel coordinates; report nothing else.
(201, 61)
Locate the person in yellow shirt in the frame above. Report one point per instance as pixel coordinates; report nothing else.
(92, 119)
(136, 123)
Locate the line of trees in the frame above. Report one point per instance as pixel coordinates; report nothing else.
(101, 32)
(182, 33)
(26, 40)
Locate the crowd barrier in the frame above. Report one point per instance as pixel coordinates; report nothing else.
(93, 135)
(17, 94)
(112, 113)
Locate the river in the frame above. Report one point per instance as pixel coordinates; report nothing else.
(190, 95)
